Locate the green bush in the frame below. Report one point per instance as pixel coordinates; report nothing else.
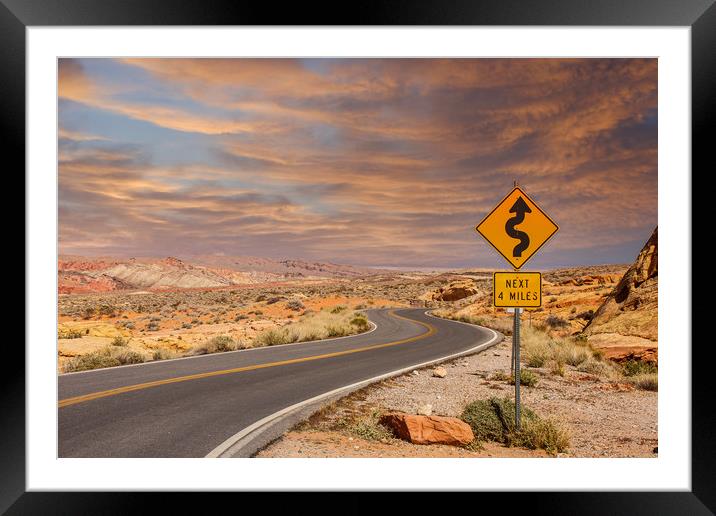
(527, 378)
(494, 420)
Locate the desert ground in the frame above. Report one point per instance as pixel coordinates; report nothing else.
(589, 354)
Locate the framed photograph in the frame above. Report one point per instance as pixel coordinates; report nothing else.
(412, 249)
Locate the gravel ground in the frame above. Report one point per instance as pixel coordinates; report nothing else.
(605, 418)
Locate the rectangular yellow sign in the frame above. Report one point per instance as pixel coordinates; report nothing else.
(517, 289)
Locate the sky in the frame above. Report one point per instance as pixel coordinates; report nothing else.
(371, 162)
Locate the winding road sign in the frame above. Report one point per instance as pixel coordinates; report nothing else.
(517, 228)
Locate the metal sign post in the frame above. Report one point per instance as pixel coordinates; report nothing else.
(516, 354)
(516, 245)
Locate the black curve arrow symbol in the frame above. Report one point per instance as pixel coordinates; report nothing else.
(519, 209)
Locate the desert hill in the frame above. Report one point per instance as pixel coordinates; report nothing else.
(78, 274)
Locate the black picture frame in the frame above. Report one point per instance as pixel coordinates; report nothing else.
(700, 15)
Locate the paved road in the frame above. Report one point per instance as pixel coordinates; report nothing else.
(188, 407)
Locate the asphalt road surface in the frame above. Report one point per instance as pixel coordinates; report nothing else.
(188, 407)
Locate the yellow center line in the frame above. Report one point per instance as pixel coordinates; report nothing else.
(139, 386)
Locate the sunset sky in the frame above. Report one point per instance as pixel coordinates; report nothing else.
(383, 162)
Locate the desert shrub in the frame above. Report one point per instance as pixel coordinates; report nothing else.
(594, 366)
(295, 305)
(494, 420)
(645, 381)
(369, 428)
(338, 309)
(334, 330)
(128, 356)
(119, 342)
(272, 337)
(69, 334)
(273, 300)
(240, 317)
(186, 326)
(638, 367)
(105, 357)
(545, 434)
(162, 354)
(500, 376)
(152, 326)
(315, 326)
(260, 298)
(575, 355)
(219, 344)
(557, 367)
(527, 378)
(93, 360)
(360, 321)
(538, 353)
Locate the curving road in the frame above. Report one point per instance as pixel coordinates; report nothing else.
(231, 404)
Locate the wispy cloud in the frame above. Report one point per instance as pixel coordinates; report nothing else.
(383, 162)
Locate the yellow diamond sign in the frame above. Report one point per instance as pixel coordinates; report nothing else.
(517, 228)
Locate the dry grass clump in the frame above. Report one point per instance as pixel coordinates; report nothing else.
(645, 381)
(540, 348)
(163, 354)
(69, 334)
(315, 326)
(109, 356)
(217, 344)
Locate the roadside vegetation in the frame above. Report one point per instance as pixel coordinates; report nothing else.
(336, 322)
(109, 356)
(542, 348)
(494, 420)
(316, 326)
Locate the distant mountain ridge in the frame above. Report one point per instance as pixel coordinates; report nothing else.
(79, 274)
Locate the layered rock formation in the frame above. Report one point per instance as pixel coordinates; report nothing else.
(626, 325)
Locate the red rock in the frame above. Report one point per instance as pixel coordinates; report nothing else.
(429, 429)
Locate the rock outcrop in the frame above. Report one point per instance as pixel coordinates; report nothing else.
(429, 429)
(454, 291)
(631, 308)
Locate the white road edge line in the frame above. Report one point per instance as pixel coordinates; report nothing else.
(153, 362)
(229, 443)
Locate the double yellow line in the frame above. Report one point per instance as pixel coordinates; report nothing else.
(147, 385)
